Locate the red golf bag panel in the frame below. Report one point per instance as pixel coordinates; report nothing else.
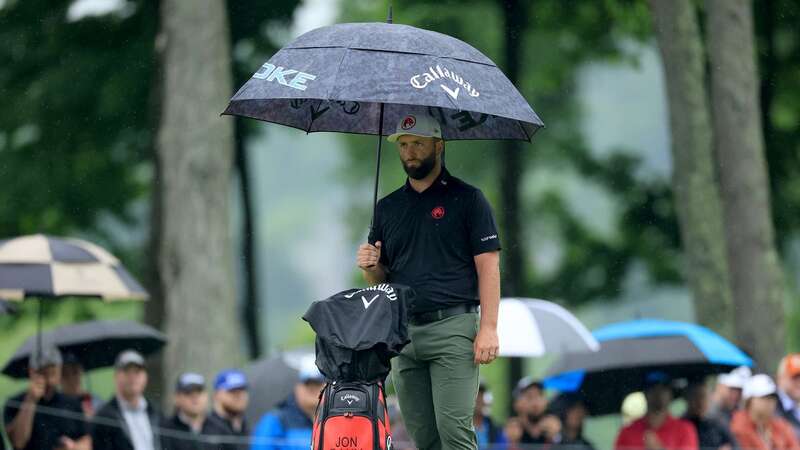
(352, 416)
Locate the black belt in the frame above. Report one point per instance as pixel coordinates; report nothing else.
(439, 314)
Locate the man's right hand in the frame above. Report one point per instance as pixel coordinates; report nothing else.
(368, 256)
(36, 388)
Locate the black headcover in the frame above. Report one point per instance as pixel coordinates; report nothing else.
(360, 330)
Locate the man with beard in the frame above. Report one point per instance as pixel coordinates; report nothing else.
(658, 429)
(227, 413)
(437, 235)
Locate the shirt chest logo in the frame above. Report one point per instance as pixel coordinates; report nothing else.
(437, 212)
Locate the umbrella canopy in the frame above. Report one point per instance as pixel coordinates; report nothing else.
(629, 350)
(366, 77)
(95, 344)
(271, 380)
(530, 328)
(336, 78)
(44, 266)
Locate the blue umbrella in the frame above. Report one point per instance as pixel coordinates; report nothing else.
(629, 350)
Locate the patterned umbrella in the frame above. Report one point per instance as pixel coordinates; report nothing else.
(365, 77)
(44, 267)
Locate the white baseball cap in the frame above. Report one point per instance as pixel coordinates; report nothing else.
(417, 125)
(759, 386)
(737, 378)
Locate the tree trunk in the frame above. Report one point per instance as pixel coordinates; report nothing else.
(697, 198)
(154, 309)
(513, 274)
(756, 278)
(250, 310)
(195, 151)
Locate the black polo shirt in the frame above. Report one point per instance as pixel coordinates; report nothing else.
(61, 415)
(429, 240)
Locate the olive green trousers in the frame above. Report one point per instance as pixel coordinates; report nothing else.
(436, 380)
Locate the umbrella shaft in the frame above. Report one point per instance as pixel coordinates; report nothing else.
(39, 334)
(377, 170)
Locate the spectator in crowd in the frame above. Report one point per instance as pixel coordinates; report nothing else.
(757, 427)
(227, 412)
(486, 431)
(728, 395)
(187, 429)
(789, 391)
(571, 411)
(128, 421)
(42, 417)
(72, 384)
(289, 426)
(530, 406)
(513, 431)
(657, 430)
(711, 434)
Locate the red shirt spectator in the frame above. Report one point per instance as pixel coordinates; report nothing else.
(673, 434)
(778, 432)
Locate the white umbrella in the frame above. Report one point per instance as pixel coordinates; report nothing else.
(530, 328)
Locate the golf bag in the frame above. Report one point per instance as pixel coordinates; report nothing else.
(352, 416)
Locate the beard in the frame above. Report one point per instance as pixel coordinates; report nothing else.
(232, 411)
(423, 170)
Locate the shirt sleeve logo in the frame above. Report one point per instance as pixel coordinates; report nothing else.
(438, 212)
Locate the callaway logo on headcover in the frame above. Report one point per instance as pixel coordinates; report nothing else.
(350, 398)
(383, 287)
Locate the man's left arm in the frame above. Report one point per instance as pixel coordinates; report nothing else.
(486, 344)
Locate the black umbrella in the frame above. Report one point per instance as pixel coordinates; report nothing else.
(95, 344)
(630, 350)
(364, 77)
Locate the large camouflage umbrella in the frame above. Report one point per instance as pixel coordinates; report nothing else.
(364, 77)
